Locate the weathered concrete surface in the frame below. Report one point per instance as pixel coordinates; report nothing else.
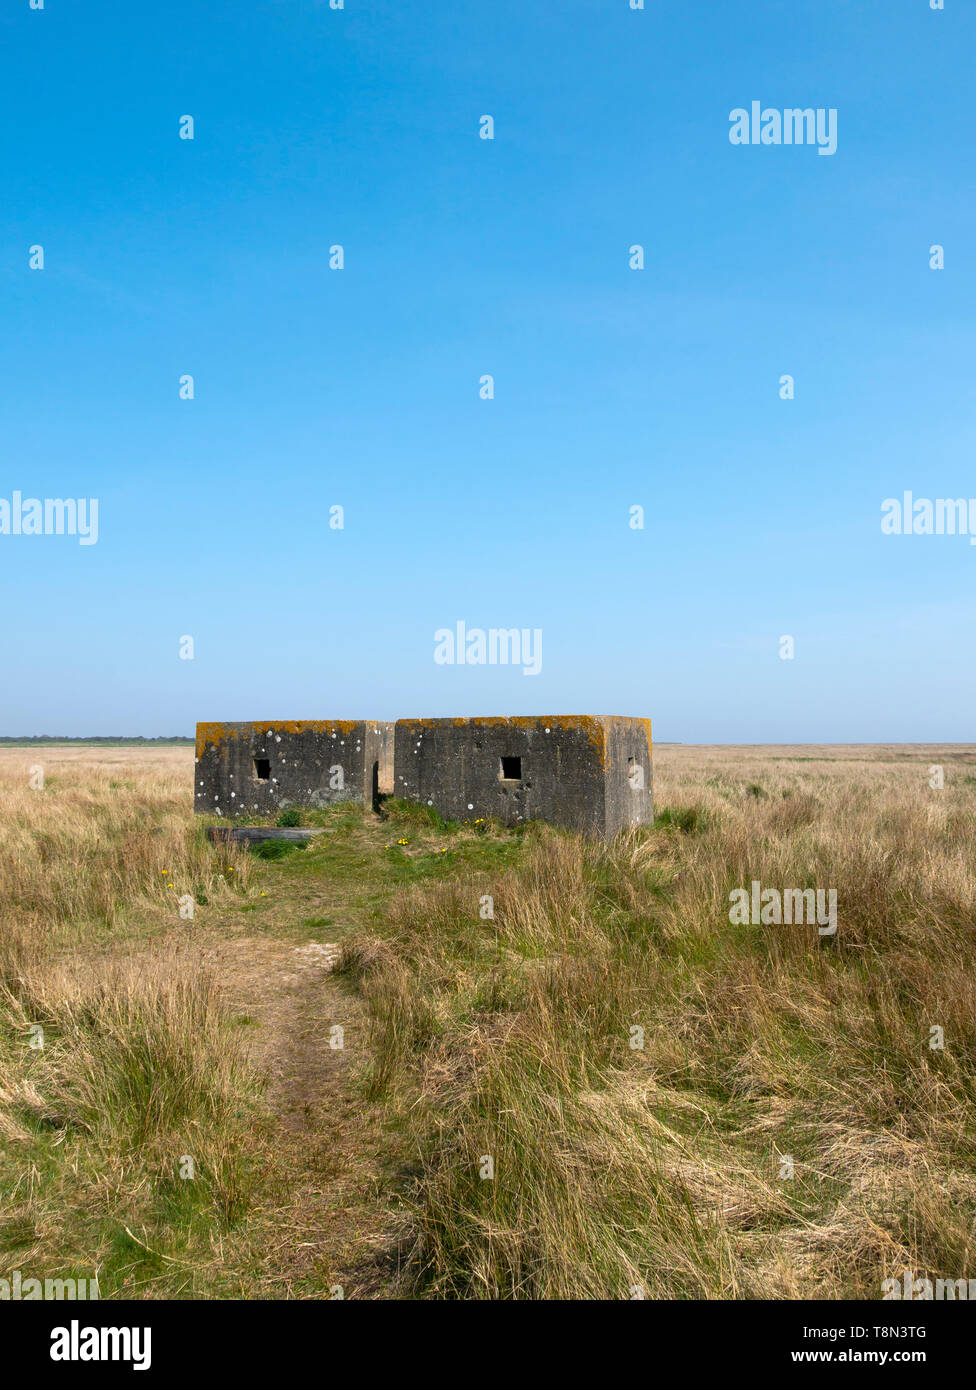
(268, 766)
(587, 773)
(628, 781)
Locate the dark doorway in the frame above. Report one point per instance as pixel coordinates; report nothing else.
(262, 769)
(375, 792)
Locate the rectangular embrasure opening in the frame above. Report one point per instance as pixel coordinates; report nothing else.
(511, 769)
(262, 769)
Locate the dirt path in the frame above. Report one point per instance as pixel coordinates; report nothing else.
(334, 1218)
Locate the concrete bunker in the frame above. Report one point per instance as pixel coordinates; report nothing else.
(588, 773)
(267, 766)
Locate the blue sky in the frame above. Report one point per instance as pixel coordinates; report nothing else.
(463, 257)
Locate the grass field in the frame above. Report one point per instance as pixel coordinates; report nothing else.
(606, 1089)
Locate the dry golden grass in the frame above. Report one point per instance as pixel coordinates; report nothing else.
(660, 1169)
(102, 836)
(135, 1066)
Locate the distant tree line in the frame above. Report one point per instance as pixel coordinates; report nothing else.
(94, 738)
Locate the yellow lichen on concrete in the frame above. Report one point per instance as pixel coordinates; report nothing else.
(213, 735)
(589, 724)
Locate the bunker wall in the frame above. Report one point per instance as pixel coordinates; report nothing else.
(515, 769)
(629, 780)
(243, 768)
